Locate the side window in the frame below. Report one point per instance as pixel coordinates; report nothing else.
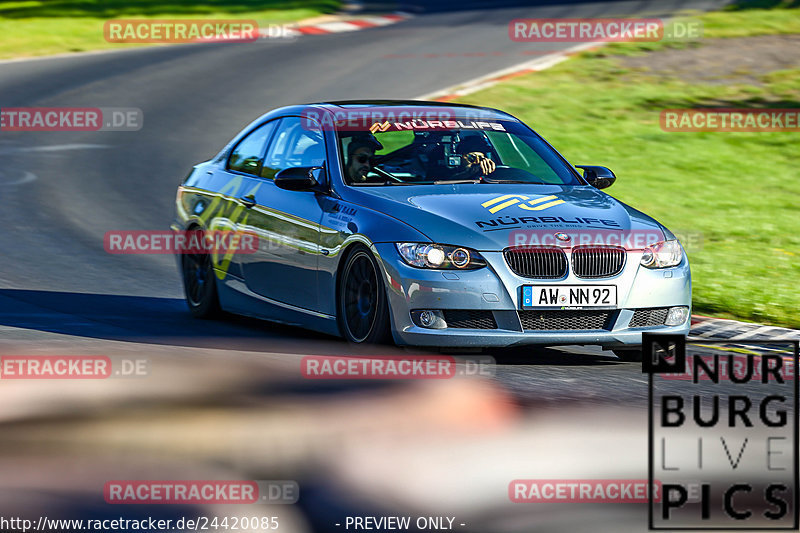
(247, 156)
(298, 142)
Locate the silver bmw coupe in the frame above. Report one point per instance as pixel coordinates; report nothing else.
(427, 224)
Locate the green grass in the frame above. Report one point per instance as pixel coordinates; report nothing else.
(744, 19)
(735, 195)
(43, 27)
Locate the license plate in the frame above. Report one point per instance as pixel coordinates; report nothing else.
(569, 296)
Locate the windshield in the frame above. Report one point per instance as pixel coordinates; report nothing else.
(444, 152)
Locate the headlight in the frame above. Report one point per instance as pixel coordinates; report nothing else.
(662, 254)
(422, 255)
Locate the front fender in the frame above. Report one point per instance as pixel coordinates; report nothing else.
(344, 224)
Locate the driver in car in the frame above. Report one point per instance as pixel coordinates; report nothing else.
(360, 152)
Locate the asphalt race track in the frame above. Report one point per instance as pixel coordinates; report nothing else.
(62, 191)
(60, 292)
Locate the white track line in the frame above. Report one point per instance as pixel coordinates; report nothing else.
(336, 27)
(27, 177)
(51, 148)
(756, 331)
(793, 336)
(487, 80)
(383, 21)
(727, 326)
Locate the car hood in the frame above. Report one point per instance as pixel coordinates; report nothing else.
(493, 216)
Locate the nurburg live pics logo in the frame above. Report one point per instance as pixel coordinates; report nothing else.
(723, 418)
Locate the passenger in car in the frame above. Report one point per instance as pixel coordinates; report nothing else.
(475, 158)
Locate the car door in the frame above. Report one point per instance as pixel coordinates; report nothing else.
(284, 268)
(231, 180)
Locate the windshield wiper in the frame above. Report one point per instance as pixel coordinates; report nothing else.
(487, 180)
(387, 174)
(448, 182)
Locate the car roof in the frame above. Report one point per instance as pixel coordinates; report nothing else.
(331, 107)
(487, 112)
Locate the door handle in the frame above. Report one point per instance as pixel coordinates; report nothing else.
(248, 201)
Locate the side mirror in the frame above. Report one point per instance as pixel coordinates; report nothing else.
(597, 177)
(297, 178)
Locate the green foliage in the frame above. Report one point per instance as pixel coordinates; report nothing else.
(733, 197)
(42, 27)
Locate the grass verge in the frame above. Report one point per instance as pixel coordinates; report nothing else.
(43, 27)
(737, 195)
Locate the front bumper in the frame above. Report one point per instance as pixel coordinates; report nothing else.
(497, 289)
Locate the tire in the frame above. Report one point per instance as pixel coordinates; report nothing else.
(200, 285)
(629, 355)
(362, 309)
